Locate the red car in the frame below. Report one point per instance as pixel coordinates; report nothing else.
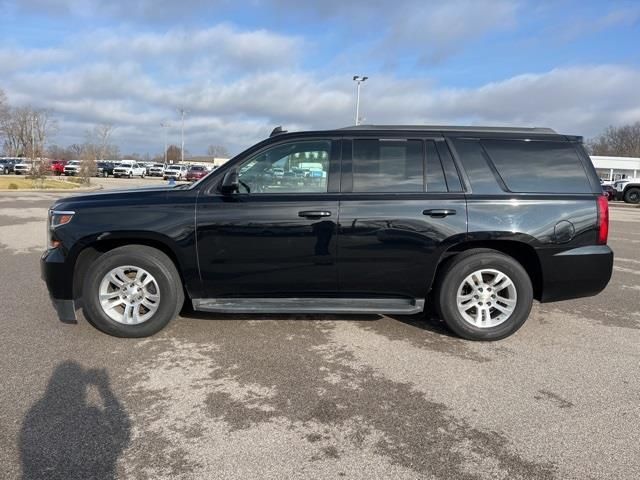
(57, 167)
(196, 173)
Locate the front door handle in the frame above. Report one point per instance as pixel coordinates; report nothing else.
(314, 213)
(439, 212)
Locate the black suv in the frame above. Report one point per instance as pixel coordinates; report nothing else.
(476, 222)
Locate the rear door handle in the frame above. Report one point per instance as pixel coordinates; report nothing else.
(439, 212)
(314, 213)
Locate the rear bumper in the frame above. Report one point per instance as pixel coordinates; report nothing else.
(575, 273)
(55, 273)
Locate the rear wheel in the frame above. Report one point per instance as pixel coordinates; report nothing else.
(132, 291)
(632, 195)
(484, 295)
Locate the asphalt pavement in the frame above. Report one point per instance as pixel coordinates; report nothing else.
(300, 396)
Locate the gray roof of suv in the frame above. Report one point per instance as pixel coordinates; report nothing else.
(450, 128)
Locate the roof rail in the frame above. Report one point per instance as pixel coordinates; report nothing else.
(453, 128)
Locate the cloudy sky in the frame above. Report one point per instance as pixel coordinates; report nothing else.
(241, 68)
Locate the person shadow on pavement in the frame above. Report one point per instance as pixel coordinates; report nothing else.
(67, 436)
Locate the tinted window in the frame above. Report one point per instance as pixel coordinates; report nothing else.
(482, 179)
(538, 166)
(435, 173)
(388, 166)
(300, 167)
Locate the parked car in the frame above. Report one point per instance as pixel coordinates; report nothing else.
(474, 222)
(7, 165)
(57, 167)
(72, 168)
(196, 172)
(157, 170)
(609, 191)
(628, 189)
(177, 172)
(104, 169)
(23, 168)
(126, 169)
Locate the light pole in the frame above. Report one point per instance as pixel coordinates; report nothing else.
(182, 112)
(164, 126)
(359, 80)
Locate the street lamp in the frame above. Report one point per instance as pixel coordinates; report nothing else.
(182, 112)
(359, 80)
(164, 126)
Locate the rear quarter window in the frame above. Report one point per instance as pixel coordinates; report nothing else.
(538, 166)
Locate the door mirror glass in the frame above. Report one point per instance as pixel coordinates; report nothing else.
(230, 183)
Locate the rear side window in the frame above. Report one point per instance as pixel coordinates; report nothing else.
(538, 166)
(482, 179)
(388, 165)
(434, 175)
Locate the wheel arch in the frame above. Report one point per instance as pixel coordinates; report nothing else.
(522, 252)
(93, 248)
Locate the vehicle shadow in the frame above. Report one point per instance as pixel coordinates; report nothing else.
(196, 315)
(70, 433)
(426, 321)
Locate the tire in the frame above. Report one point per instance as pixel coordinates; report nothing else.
(632, 195)
(499, 325)
(164, 274)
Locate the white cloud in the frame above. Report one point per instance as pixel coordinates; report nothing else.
(237, 84)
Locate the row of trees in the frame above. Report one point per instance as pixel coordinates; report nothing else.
(621, 141)
(27, 132)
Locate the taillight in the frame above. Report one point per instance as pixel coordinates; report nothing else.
(603, 219)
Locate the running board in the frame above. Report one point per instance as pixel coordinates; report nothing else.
(394, 306)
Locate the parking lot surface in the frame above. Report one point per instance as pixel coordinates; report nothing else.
(299, 396)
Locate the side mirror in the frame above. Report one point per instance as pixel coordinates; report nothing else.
(230, 183)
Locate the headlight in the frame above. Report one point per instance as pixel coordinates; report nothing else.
(56, 218)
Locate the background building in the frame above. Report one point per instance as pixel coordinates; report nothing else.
(615, 168)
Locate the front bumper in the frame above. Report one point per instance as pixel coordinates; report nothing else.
(59, 280)
(578, 272)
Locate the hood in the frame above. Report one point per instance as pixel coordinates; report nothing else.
(122, 197)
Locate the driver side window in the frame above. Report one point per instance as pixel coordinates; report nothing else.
(297, 167)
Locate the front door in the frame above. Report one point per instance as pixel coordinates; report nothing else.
(277, 236)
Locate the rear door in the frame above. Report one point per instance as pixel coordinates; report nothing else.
(401, 205)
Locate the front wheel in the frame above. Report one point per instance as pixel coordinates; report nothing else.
(132, 291)
(632, 195)
(484, 295)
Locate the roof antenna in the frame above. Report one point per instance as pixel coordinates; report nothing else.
(277, 131)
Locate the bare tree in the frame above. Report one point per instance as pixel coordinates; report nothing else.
(75, 151)
(173, 154)
(102, 139)
(26, 131)
(4, 109)
(621, 141)
(217, 151)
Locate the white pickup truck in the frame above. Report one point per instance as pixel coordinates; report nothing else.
(129, 169)
(628, 189)
(71, 168)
